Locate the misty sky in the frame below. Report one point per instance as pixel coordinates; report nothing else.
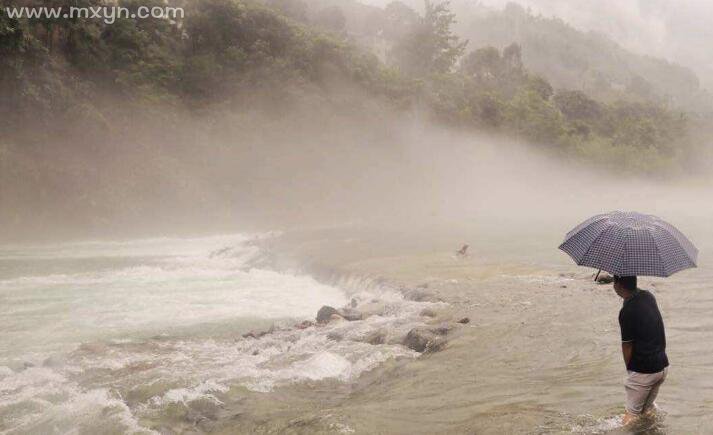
(677, 30)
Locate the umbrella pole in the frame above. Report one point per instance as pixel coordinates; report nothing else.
(597, 277)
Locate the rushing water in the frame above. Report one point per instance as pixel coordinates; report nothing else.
(146, 336)
(112, 337)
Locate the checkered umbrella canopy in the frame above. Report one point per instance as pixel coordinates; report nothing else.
(630, 244)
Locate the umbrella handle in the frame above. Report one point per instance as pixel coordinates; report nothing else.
(597, 277)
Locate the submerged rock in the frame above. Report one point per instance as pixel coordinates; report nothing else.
(422, 295)
(464, 320)
(426, 340)
(376, 337)
(327, 313)
(442, 329)
(255, 334)
(304, 325)
(335, 336)
(259, 334)
(324, 315)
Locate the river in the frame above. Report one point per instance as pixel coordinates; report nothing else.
(146, 336)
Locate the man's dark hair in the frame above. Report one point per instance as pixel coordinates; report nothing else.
(629, 282)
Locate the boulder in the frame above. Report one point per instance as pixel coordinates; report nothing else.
(425, 340)
(464, 321)
(325, 314)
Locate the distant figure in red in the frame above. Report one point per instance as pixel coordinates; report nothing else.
(463, 252)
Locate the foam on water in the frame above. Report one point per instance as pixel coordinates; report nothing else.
(99, 350)
(184, 287)
(598, 426)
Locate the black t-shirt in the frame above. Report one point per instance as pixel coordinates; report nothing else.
(641, 324)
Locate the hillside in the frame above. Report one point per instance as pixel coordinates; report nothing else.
(533, 77)
(567, 57)
(207, 117)
(587, 61)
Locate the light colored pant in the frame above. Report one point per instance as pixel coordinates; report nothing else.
(641, 390)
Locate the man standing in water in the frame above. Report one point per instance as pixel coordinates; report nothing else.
(643, 344)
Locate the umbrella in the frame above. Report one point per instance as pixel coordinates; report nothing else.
(630, 244)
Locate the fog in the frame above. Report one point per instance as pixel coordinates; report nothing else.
(309, 168)
(223, 224)
(678, 31)
(309, 165)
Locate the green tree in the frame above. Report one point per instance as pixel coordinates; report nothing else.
(399, 20)
(296, 9)
(483, 63)
(576, 105)
(535, 118)
(430, 47)
(512, 57)
(541, 86)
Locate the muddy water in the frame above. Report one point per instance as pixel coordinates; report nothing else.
(540, 355)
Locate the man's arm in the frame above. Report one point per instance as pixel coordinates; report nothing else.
(627, 349)
(627, 335)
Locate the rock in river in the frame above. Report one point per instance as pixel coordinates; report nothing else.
(376, 337)
(427, 340)
(324, 315)
(422, 295)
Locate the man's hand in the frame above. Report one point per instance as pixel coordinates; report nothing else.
(627, 349)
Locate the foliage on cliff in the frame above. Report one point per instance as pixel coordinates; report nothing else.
(62, 76)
